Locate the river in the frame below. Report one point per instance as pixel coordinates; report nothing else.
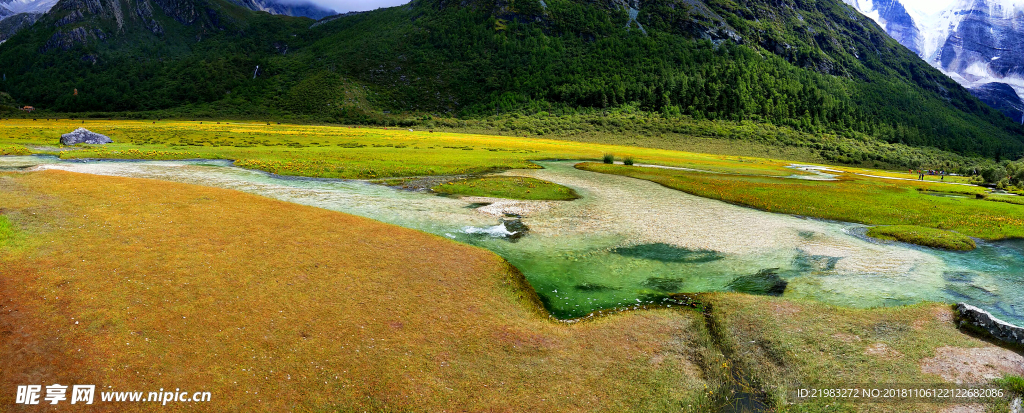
(628, 242)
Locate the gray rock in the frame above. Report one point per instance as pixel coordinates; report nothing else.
(981, 320)
(83, 135)
(1001, 97)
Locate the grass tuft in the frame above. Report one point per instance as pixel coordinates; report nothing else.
(609, 158)
(6, 230)
(929, 237)
(628, 161)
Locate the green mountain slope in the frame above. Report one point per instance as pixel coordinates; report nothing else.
(813, 65)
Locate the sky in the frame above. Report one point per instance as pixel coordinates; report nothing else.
(343, 6)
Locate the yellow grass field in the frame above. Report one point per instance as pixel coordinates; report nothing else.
(343, 152)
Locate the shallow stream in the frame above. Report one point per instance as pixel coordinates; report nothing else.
(629, 242)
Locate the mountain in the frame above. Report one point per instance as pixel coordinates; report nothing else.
(813, 65)
(11, 24)
(985, 45)
(13, 7)
(978, 43)
(894, 19)
(19, 14)
(25, 12)
(310, 10)
(1002, 97)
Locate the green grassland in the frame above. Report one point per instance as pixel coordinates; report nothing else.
(13, 150)
(513, 187)
(344, 152)
(313, 310)
(1010, 199)
(929, 237)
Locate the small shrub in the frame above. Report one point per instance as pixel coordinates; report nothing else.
(627, 161)
(609, 158)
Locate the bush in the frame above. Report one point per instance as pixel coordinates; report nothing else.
(609, 158)
(993, 174)
(628, 161)
(6, 99)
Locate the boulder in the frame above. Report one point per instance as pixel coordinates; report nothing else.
(979, 319)
(83, 135)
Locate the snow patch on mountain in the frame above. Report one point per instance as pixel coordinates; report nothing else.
(27, 6)
(893, 18)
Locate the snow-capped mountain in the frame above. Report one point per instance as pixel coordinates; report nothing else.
(978, 43)
(297, 9)
(985, 43)
(19, 14)
(894, 19)
(26, 6)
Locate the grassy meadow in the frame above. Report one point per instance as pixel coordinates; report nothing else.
(513, 187)
(341, 152)
(135, 284)
(931, 237)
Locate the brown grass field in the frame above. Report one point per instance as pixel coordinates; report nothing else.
(273, 306)
(137, 285)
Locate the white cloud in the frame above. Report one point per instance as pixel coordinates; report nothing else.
(927, 6)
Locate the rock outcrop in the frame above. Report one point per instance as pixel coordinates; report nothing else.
(976, 318)
(1001, 97)
(83, 135)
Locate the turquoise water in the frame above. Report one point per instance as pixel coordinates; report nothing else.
(628, 242)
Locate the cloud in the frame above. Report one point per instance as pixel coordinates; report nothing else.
(344, 6)
(927, 6)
